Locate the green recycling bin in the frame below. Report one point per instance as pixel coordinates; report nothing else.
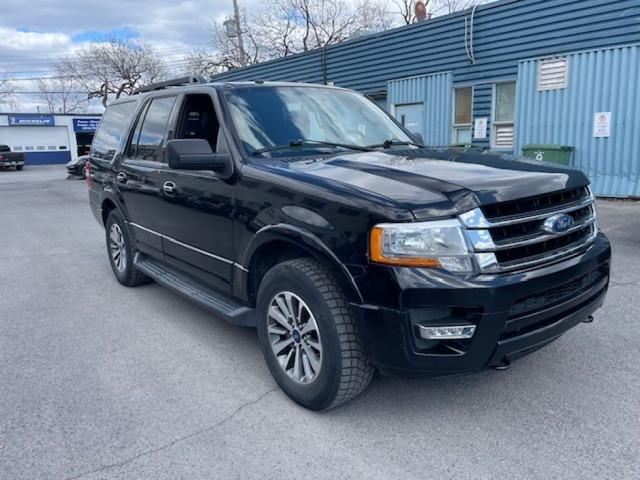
(549, 152)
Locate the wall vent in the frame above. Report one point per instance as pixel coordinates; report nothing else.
(553, 73)
(503, 136)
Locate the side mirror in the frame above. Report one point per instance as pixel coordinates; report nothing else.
(196, 154)
(418, 137)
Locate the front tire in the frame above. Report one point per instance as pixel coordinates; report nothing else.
(309, 337)
(121, 252)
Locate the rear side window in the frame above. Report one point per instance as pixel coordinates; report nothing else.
(111, 130)
(148, 142)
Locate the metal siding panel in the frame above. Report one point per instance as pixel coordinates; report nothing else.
(435, 92)
(505, 32)
(482, 98)
(599, 81)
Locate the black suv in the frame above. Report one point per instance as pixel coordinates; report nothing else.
(308, 212)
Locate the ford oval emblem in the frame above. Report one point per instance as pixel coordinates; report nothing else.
(557, 224)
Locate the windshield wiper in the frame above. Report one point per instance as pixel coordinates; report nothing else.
(310, 143)
(392, 142)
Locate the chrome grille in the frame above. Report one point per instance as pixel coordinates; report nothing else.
(509, 236)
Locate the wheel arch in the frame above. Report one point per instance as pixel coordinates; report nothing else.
(277, 243)
(107, 207)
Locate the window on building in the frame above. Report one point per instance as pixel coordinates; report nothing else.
(504, 112)
(553, 73)
(462, 109)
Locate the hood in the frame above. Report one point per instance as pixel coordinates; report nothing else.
(443, 182)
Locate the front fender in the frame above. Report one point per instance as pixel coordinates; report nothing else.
(309, 242)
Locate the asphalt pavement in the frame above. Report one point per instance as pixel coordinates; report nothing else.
(100, 381)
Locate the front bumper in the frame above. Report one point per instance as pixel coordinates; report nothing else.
(514, 314)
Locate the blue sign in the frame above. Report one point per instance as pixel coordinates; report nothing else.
(31, 120)
(85, 124)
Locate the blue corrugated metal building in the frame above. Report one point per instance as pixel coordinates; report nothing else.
(502, 75)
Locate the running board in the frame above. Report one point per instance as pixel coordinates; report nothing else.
(224, 306)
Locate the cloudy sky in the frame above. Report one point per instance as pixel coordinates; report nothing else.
(34, 32)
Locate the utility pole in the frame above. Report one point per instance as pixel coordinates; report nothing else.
(236, 16)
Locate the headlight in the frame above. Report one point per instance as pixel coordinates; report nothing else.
(426, 244)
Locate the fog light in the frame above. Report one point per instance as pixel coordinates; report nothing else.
(447, 332)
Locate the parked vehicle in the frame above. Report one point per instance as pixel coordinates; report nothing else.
(308, 212)
(10, 159)
(78, 166)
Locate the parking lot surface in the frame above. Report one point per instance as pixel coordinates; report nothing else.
(100, 381)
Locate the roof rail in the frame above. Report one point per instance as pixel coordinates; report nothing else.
(170, 83)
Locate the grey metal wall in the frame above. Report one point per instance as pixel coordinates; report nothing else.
(599, 81)
(434, 91)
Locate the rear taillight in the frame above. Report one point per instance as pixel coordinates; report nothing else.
(89, 184)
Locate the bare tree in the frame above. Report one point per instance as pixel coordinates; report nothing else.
(406, 8)
(287, 27)
(60, 94)
(205, 62)
(7, 92)
(227, 47)
(375, 16)
(114, 68)
(443, 7)
(281, 26)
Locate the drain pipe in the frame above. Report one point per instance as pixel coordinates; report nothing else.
(324, 64)
(468, 32)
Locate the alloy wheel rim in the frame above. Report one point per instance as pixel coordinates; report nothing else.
(294, 337)
(117, 247)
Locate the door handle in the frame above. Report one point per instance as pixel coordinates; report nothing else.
(169, 188)
(121, 178)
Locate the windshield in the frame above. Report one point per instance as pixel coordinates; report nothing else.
(303, 120)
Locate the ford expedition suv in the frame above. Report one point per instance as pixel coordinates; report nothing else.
(309, 213)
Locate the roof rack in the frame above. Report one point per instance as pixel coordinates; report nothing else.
(170, 83)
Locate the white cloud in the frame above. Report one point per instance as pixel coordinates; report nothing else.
(34, 33)
(18, 42)
(48, 27)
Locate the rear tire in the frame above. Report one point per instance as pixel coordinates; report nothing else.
(19, 167)
(121, 252)
(309, 337)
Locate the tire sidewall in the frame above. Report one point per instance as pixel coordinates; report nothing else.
(125, 276)
(320, 393)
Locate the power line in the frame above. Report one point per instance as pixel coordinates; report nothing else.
(39, 93)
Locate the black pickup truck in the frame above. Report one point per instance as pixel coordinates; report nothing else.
(10, 159)
(308, 212)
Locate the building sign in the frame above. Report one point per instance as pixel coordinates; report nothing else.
(602, 124)
(31, 120)
(85, 124)
(480, 128)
